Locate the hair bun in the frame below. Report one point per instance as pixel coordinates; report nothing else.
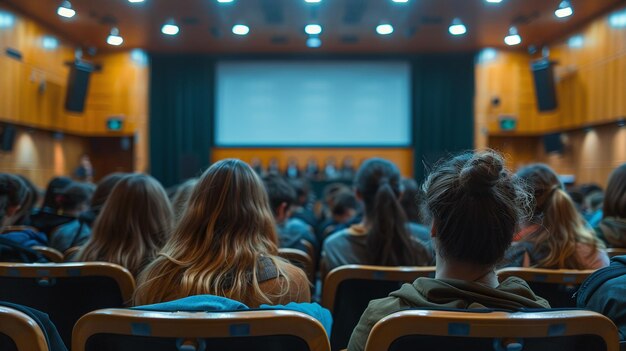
(482, 171)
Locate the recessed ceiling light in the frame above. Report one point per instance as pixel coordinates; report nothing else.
(400, 1)
(618, 19)
(457, 27)
(564, 10)
(170, 28)
(384, 29)
(114, 37)
(494, 1)
(576, 42)
(313, 1)
(135, 1)
(66, 10)
(49, 42)
(225, 1)
(313, 29)
(513, 38)
(7, 20)
(241, 29)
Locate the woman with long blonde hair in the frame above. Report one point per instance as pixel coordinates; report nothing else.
(557, 236)
(132, 226)
(224, 244)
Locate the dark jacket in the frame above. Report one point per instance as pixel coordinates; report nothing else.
(53, 339)
(512, 294)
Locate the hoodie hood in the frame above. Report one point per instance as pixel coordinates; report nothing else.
(512, 294)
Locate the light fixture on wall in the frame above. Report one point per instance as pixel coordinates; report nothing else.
(170, 28)
(114, 37)
(564, 10)
(513, 38)
(66, 10)
(241, 29)
(457, 27)
(384, 29)
(313, 29)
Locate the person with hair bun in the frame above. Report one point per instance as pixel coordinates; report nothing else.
(476, 205)
(612, 228)
(383, 238)
(556, 236)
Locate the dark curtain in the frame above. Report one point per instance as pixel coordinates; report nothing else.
(181, 116)
(443, 107)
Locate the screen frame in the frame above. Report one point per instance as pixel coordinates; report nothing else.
(317, 58)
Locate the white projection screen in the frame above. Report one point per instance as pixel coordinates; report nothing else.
(313, 103)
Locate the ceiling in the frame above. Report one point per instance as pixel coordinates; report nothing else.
(277, 26)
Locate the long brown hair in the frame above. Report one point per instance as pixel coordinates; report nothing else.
(561, 225)
(215, 247)
(615, 196)
(132, 226)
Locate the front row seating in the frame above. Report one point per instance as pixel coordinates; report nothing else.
(428, 330)
(66, 291)
(134, 330)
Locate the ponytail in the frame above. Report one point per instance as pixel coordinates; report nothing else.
(388, 241)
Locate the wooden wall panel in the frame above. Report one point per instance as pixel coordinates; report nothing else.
(402, 157)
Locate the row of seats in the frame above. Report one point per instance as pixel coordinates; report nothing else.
(68, 291)
(123, 329)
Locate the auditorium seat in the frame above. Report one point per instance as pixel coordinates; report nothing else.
(438, 330)
(69, 253)
(612, 252)
(20, 332)
(348, 290)
(49, 253)
(310, 250)
(300, 259)
(66, 291)
(133, 330)
(17, 228)
(555, 285)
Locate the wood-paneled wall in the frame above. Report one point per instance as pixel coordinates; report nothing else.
(591, 86)
(32, 92)
(402, 157)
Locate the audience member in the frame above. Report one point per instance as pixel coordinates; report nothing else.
(132, 226)
(312, 169)
(103, 190)
(330, 169)
(30, 203)
(412, 201)
(476, 205)
(612, 228)
(48, 217)
(290, 230)
(225, 244)
(13, 193)
(180, 199)
(343, 213)
(303, 207)
(274, 166)
(257, 166)
(73, 201)
(382, 238)
(347, 168)
(557, 235)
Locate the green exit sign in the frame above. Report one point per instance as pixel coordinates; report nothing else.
(507, 123)
(115, 124)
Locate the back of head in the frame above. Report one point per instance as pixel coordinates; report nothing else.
(133, 224)
(388, 242)
(562, 226)
(302, 188)
(279, 192)
(615, 196)
(215, 247)
(104, 188)
(32, 197)
(75, 197)
(181, 197)
(343, 203)
(55, 186)
(13, 192)
(476, 205)
(412, 200)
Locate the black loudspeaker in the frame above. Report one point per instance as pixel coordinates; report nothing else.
(7, 137)
(552, 143)
(77, 85)
(545, 89)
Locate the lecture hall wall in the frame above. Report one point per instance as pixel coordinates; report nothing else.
(50, 140)
(592, 97)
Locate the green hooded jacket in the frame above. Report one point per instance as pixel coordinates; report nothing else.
(512, 294)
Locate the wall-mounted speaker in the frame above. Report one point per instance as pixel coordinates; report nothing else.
(77, 86)
(7, 137)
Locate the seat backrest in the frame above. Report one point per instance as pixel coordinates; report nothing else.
(300, 259)
(69, 254)
(20, 332)
(614, 251)
(66, 291)
(555, 285)
(134, 330)
(49, 253)
(348, 290)
(571, 330)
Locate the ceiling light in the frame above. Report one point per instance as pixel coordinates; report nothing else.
(6, 19)
(66, 10)
(314, 42)
(313, 29)
(49, 42)
(618, 19)
(313, 1)
(114, 37)
(494, 1)
(513, 38)
(564, 10)
(487, 55)
(457, 27)
(576, 42)
(384, 29)
(170, 28)
(135, 1)
(241, 29)
(400, 1)
(225, 1)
